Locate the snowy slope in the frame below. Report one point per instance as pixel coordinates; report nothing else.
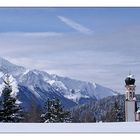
(7, 67)
(118, 127)
(40, 85)
(86, 89)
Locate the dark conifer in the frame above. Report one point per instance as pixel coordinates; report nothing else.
(55, 112)
(10, 111)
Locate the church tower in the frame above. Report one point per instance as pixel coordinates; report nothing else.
(130, 99)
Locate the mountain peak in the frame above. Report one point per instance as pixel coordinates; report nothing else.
(42, 85)
(4, 61)
(8, 67)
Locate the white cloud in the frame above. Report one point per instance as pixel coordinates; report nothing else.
(31, 34)
(99, 58)
(78, 27)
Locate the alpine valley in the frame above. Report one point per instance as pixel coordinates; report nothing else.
(36, 86)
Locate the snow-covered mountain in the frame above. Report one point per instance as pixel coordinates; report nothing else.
(36, 86)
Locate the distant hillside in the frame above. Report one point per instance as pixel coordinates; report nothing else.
(101, 110)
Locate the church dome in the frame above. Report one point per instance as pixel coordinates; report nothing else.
(130, 80)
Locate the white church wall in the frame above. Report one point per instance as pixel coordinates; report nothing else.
(130, 111)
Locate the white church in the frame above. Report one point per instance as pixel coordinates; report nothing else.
(132, 113)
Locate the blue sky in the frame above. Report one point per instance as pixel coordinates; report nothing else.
(93, 44)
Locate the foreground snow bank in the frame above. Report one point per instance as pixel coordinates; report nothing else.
(123, 127)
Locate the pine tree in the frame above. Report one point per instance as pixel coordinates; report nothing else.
(10, 111)
(55, 112)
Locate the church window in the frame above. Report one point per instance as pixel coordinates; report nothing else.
(130, 94)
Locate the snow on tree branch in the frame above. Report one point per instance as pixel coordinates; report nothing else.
(10, 82)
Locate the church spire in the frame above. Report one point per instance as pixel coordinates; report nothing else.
(129, 72)
(130, 101)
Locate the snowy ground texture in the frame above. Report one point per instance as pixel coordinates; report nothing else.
(123, 127)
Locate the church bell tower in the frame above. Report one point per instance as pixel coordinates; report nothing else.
(130, 99)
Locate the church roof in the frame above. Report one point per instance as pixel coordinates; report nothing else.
(131, 76)
(138, 111)
(130, 80)
(138, 106)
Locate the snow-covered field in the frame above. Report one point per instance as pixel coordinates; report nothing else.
(123, 127)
